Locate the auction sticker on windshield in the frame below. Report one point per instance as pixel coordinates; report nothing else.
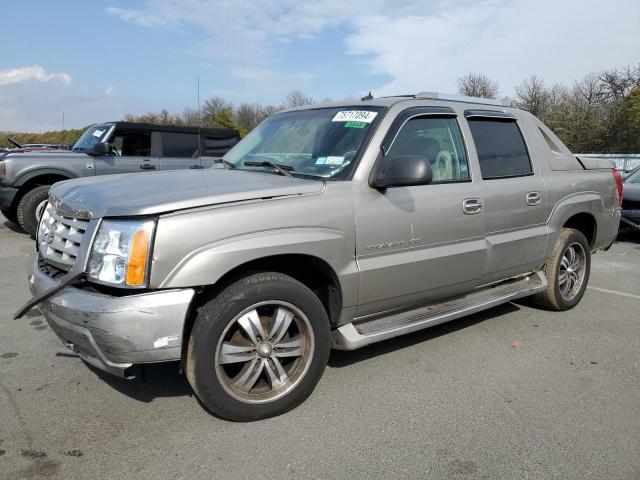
(354, 116)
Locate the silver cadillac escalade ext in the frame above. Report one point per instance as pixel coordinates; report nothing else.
(330, 226)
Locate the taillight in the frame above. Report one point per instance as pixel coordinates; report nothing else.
(618, 177)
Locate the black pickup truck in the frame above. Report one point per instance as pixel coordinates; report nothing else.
(114, 147)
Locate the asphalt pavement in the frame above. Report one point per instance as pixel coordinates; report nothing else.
(513, 392)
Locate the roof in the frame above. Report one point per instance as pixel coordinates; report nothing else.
(211, 132)
(392, 100)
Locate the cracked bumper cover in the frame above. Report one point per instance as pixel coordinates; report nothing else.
(114, 333)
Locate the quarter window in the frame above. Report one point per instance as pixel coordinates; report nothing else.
(439, 141)
(216, 147)
(501, 148)
(180, 145)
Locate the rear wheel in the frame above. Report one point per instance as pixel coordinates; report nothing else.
(9, 215)
(567, 272)
(258, 348)
(27, 207)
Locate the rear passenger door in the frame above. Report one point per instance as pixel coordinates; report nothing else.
(178, 150)
(513, 192)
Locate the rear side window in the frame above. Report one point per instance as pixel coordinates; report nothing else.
(501, 149)
(179, 145)
(216, 147)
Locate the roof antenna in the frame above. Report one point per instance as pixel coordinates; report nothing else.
(199, 121)
(367, 97)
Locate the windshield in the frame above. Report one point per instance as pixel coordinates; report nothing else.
(320, 142)
(634, 177)
(91, 136)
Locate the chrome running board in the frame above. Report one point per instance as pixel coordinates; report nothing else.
(361, 333)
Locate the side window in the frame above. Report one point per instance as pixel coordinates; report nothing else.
(437, 139)
(501, 148)
(216, 147)
(131, 143)
(180, 145)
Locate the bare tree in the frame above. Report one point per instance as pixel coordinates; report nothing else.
(478, 85)
(247, 116)
(297, 98)
(532, 95)
(190, 117)
(266, 112)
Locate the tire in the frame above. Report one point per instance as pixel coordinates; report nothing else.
(563, 293)
(258, 348)
(27, 206)
(9, 215)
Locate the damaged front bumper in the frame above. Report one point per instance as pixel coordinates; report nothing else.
(114, 333)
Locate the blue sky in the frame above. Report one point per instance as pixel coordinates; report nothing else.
(97, 60)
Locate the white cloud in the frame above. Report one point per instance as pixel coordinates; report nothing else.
(36, 107)
(559, 41)
(33, 72)
(419, 44)
(138, 16)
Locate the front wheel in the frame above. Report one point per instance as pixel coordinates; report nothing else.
(567, 272)
(28, 206)
(258, 348)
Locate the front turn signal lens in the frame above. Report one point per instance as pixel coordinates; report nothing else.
(138, 259)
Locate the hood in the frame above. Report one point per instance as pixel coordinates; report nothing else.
(151, 193)
(56, 153)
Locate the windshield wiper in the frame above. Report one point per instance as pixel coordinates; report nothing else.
(227, 164)
(282, 169)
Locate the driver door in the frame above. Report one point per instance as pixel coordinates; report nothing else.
(418, 244)
(130, 153)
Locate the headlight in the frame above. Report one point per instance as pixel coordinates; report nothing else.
(120, 253)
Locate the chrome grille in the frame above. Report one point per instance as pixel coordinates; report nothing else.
(59, 238)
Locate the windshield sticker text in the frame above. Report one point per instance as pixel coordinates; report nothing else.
(333, 161)
(354, 116)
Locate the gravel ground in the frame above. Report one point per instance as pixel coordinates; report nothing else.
(455, 401)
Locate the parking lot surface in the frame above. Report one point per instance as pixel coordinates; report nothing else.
(513, 392)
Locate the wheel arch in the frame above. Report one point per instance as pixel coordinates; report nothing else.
(586, 223)
(581, 211)
(314, 272)
(31, 180)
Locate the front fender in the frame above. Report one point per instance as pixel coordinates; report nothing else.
(206, 265)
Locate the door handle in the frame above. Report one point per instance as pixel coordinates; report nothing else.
(196, 167)
(147, 166)
(471, 206)
(533, 199)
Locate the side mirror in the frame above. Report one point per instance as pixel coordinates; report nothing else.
(402, 171)
(98, 149)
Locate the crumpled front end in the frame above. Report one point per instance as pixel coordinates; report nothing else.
(113, 333)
